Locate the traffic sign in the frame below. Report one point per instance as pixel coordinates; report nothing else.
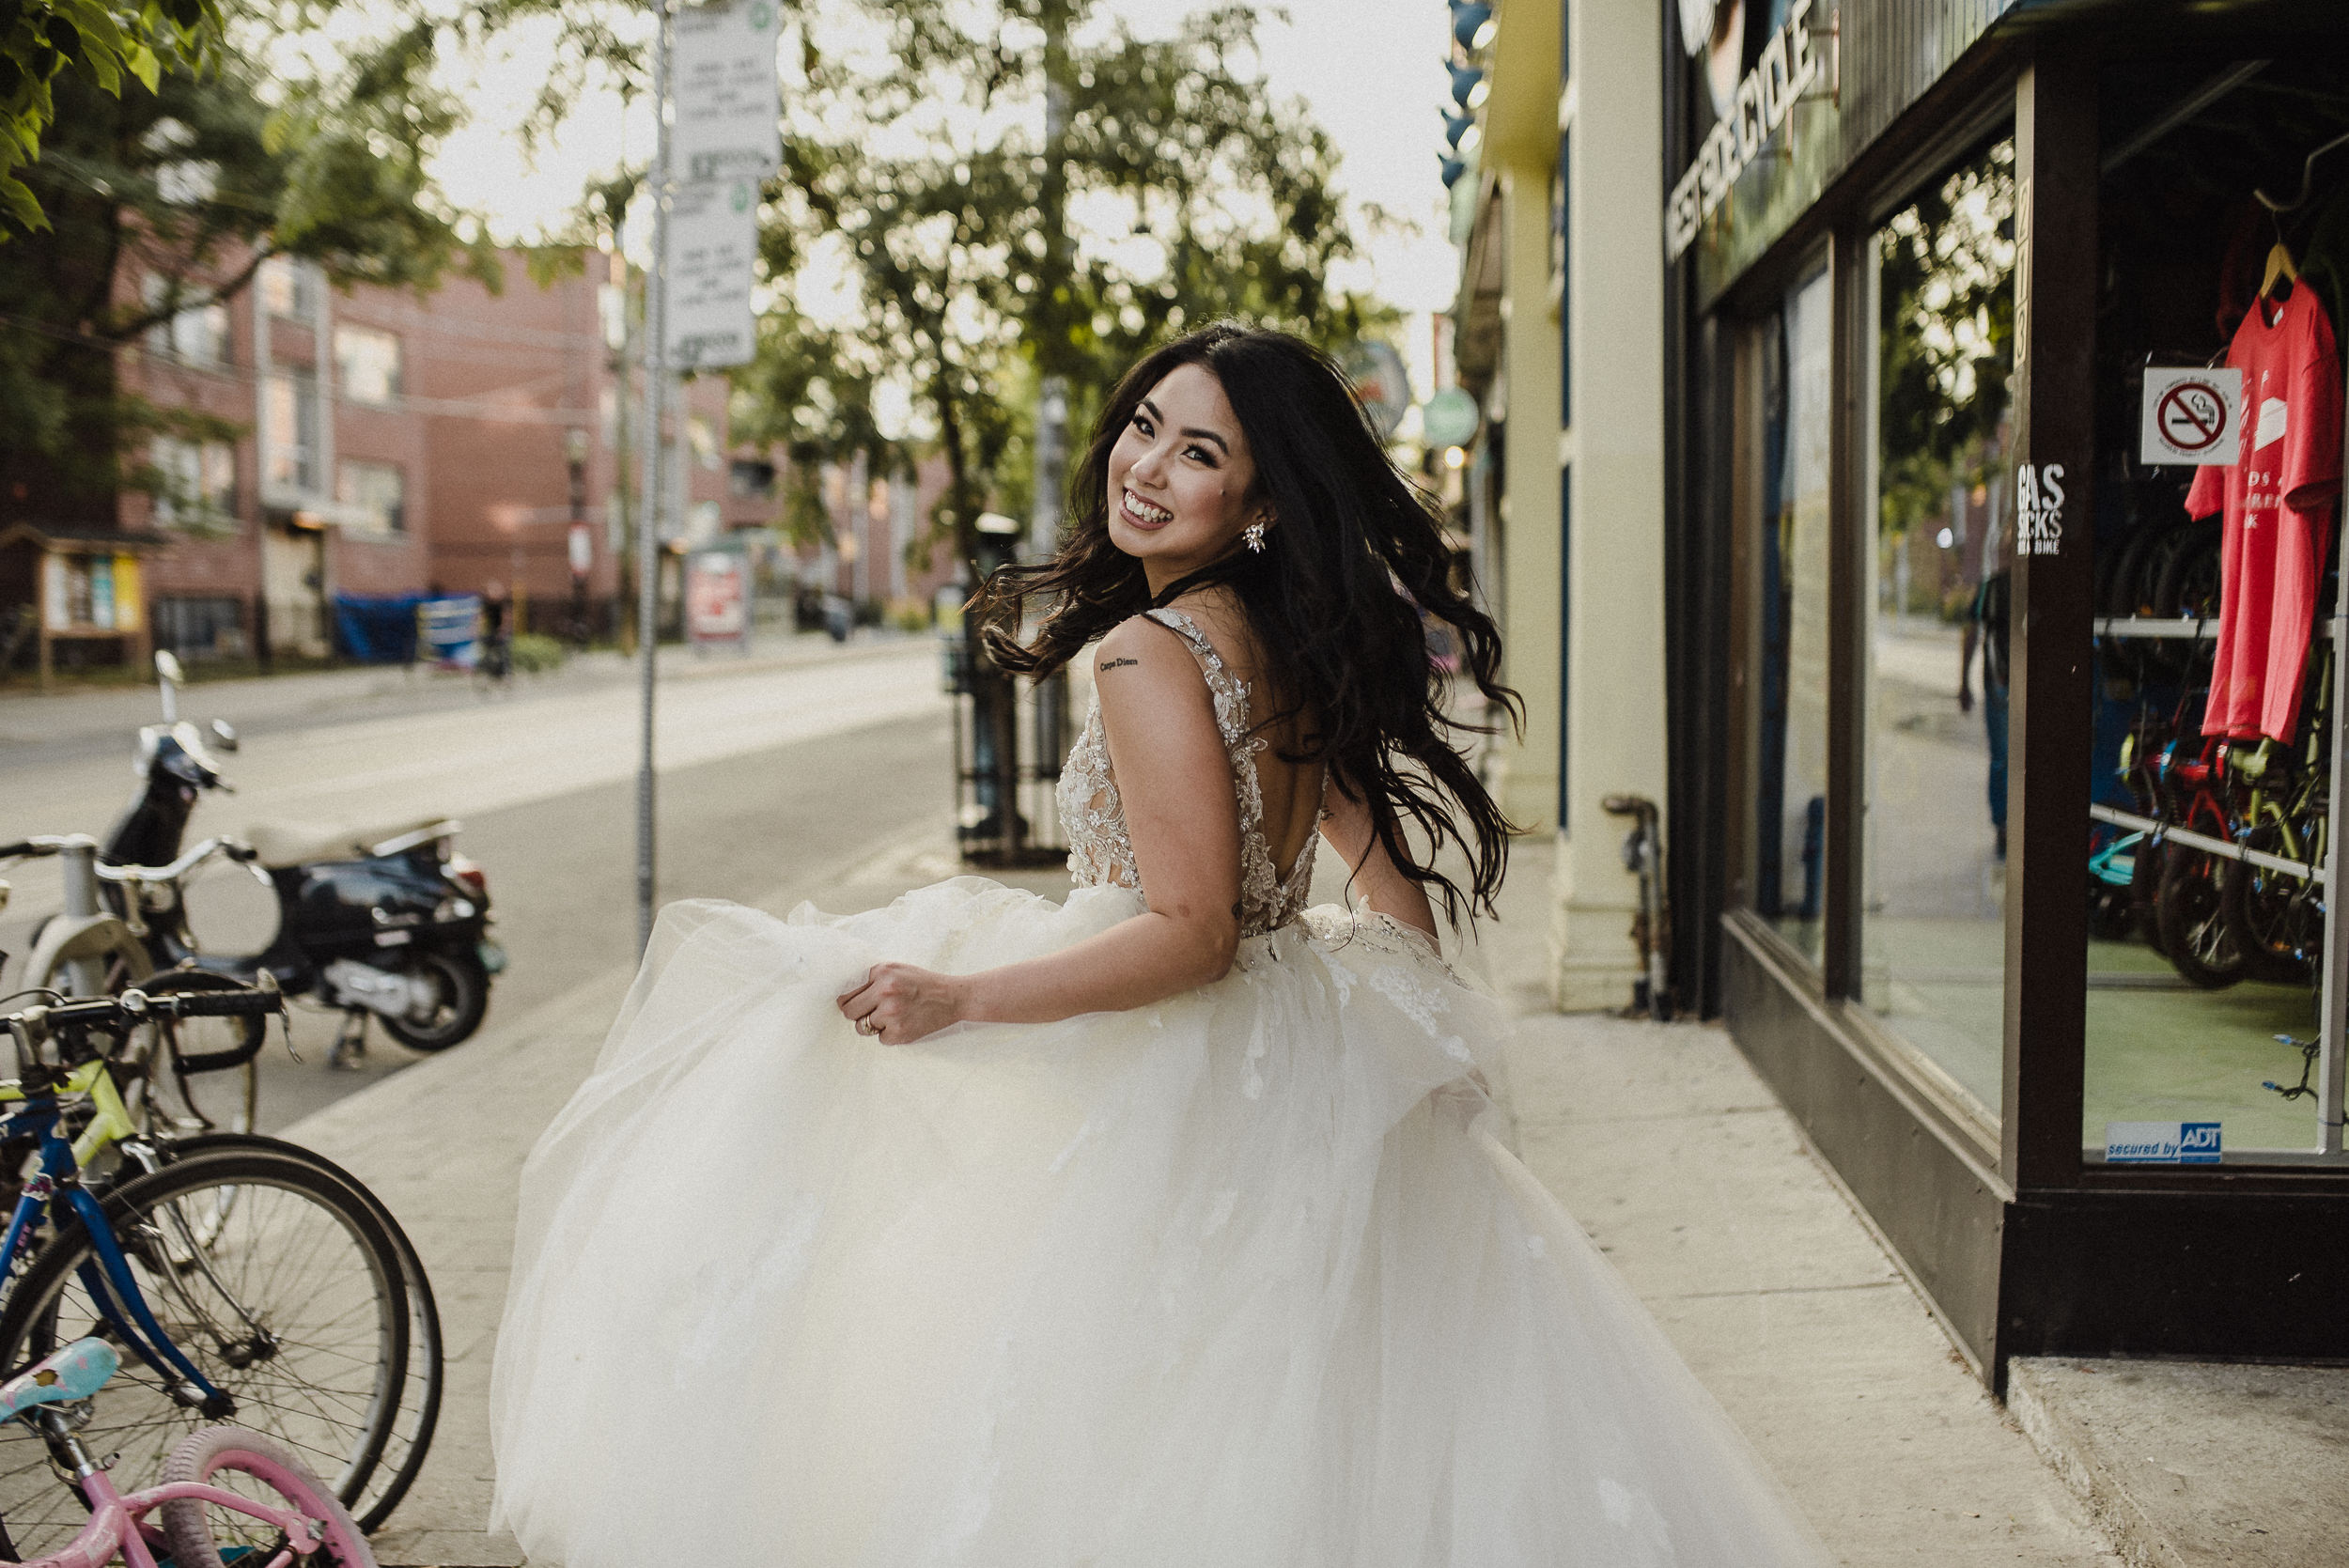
(1449, 418)
(727, 100)
(1379, 380)
(2190, 415)
(713, 242)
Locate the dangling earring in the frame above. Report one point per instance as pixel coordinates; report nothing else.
(1253, 535)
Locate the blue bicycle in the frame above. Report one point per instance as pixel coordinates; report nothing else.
(236, 1279)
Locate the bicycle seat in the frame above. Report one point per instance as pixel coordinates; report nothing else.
(281, 843)
(60, 1377)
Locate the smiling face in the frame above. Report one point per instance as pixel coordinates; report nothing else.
(1180, 479)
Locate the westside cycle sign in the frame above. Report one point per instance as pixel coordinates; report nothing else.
(2190, 415)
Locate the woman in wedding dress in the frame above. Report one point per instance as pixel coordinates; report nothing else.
(1165, 1227)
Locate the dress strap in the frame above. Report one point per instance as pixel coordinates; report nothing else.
(1230, 693)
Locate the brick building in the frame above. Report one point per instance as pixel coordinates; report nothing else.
(397, 445)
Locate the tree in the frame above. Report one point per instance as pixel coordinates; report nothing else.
(916, 189)
(190, 182)
(86, 43)
(1946, 333)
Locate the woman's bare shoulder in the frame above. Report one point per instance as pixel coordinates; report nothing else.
(1216, 610)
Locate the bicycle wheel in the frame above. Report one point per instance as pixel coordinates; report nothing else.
(248, 1465)
(2267, 910)
(288, 1298)
(419, 1410)
(2194, 931)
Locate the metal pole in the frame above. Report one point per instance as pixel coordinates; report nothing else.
(2333, 1036)
(87, 977)
(656, 356)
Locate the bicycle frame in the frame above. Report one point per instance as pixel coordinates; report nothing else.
(114, 1525)
(110, 1282)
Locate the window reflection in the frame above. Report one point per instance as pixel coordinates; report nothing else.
(1932, 934)
(1797, 352)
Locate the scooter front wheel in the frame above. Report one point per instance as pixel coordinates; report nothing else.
(463, 985)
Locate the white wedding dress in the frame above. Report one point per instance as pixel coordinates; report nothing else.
(1243, 1279)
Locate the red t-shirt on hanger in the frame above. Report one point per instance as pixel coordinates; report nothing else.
(2277, 499)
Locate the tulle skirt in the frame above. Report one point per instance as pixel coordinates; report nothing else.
(1243, 1279)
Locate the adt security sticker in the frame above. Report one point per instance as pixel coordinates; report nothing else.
(2190, 415)
(2162, 1143)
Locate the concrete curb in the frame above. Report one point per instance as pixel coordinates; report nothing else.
(2195, 1463)
(2071, 1453)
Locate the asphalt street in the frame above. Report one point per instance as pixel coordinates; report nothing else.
(769, 774)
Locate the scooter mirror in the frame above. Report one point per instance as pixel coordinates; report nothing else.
(226, 734)
(167, 666)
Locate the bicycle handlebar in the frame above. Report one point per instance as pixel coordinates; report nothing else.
(136, 1006)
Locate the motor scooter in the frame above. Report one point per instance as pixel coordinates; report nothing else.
(387, 923)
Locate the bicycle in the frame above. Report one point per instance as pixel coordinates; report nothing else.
(149, 1137)
(244, 1279)
(90, 950)
(193, 1501)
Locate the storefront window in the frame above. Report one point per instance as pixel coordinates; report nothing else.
(1933, 932)
(2212, 775)
(1796, 349)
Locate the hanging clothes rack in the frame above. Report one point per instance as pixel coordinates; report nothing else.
(2308, 181)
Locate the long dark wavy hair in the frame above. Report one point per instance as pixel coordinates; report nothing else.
(1355, 555)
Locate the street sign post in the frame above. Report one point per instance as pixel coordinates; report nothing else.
(726, 122)
(713, 242)
(717, 101)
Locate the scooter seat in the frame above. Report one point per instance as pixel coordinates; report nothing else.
(278, 844)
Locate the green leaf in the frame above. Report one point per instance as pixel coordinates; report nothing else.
(17, 199)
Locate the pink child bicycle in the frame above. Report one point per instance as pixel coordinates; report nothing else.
(293, 1519)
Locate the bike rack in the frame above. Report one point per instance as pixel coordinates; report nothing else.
(2164, 833)
(2332, 1061)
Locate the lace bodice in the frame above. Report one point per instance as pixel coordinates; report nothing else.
(1101, 850)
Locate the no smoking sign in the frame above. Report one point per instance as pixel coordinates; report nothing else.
(2190, 415)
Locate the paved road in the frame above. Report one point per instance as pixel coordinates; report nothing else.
(768, 773)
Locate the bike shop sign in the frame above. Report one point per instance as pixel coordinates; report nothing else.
(2189, 415)
(2162, 1143)
(1789, 64)
(2038, 508)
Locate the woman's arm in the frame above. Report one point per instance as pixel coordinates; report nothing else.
(1348, 829)
(1174, 782)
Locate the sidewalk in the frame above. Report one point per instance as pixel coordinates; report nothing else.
(1664, 1144)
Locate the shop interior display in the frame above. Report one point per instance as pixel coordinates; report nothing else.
(2225, 223)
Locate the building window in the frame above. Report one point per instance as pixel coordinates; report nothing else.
(290, 421)
(377, 490)
(1787, 868)
(197, 334)
(366, 365)
(1932, 934)
(750, 479)
(196, 629)
(290, 288)
(197, 482)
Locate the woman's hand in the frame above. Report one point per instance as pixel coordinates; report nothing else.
(899, 1003)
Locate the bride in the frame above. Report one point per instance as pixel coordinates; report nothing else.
(1166, 1227)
